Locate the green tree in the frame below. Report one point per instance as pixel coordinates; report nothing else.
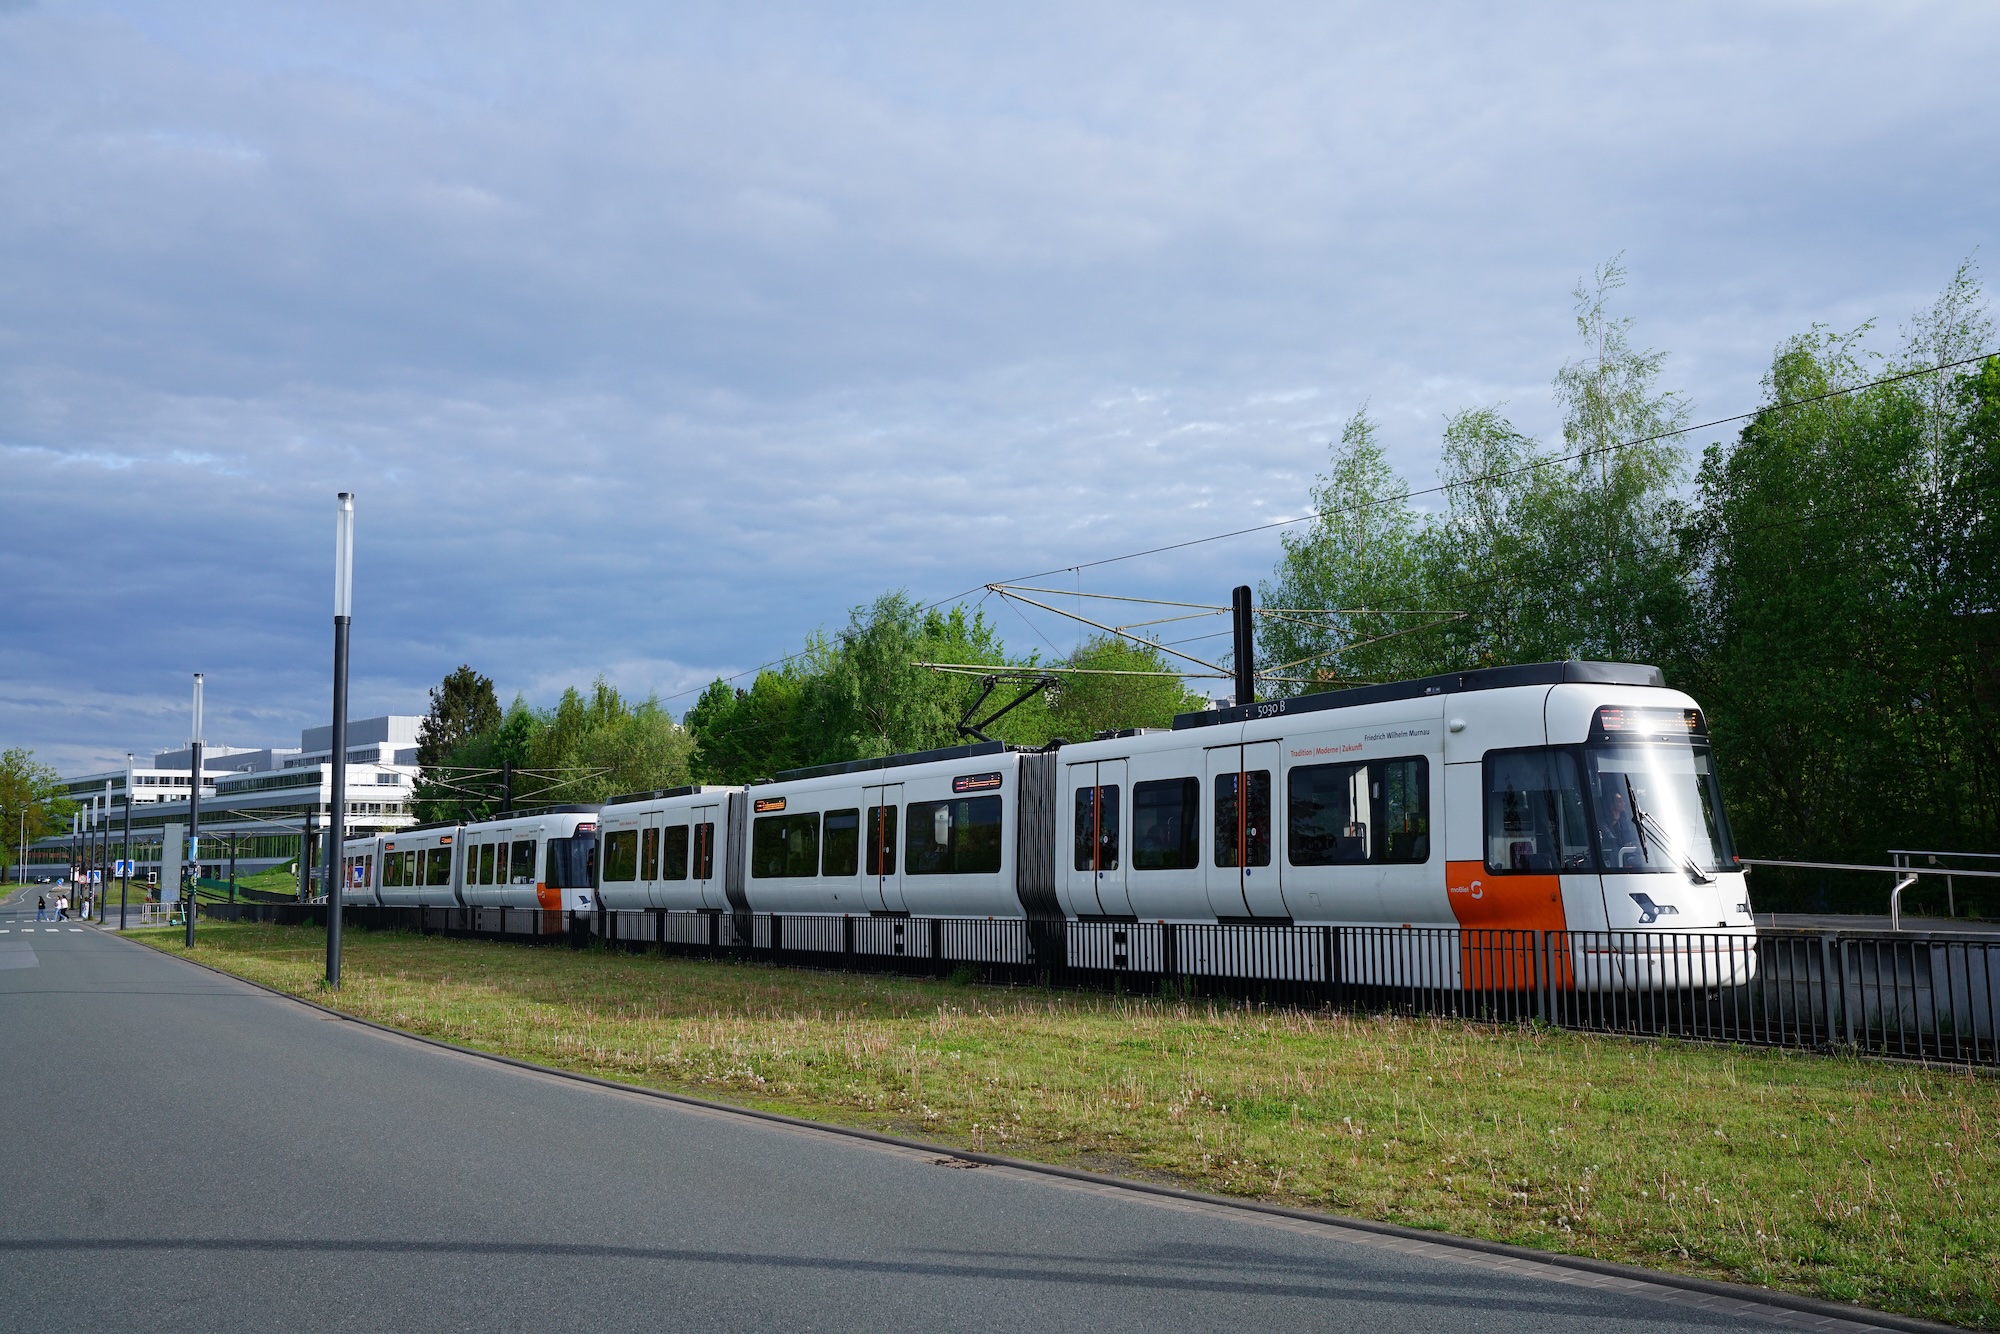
(32, 803)
(1848, 642)
(1573, 554)
(867, 695)
(463, 706)
(863, 693)
(1088, 704)
(1539, 553)
(593, 747)
(1359, 567)
(744, 734)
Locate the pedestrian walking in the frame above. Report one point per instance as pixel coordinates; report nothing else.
(62, 907)
(41, 908)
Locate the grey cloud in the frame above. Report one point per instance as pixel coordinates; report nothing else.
(652, 338)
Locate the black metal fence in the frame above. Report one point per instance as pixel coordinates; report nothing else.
(1929, 996)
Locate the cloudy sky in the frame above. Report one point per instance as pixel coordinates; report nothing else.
(652, 337)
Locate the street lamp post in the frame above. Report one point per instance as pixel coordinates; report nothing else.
(97, 899)
(103, 886)
(89, 851)
(194, 815)
(343, 614)
(125, 867)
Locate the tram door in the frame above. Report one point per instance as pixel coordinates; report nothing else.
(704, 856)
(1242, 870)
(1094, 863)
(881, 866)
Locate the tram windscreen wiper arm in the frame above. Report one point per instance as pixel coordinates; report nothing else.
(1668, 845)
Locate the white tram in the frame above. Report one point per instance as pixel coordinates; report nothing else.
(545, 859)
(1577, 800)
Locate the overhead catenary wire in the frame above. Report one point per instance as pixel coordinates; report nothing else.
(1404, 497)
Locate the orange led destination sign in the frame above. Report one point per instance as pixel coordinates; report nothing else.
(770, 804)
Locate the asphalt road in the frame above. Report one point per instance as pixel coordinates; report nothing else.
(190, 1153)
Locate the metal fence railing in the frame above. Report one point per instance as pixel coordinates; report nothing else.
(1908, 994)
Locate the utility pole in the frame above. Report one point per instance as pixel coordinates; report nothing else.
(506, 787)
(1246, 645)
(343, 615)
(194, 815)
(125, 869)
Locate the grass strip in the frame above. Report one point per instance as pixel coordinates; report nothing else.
(1840, 1178)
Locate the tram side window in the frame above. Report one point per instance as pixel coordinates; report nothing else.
(1349, 814)
(1253, 820)
(1097, 828)
(704, 850)
(1534, 813)
(1166, 824)
(649, 855)
(1329, 822)
(1403, 789)
(440, 868)
(956, 837)
(621, 855)
(881, 840)
(843, 843)
(784, 847)
(521, 867)
(392, 872)
(674, 852)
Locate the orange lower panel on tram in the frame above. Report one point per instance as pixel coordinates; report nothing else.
(1498, 916)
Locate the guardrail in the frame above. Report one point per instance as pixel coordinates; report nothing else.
(1927, 996)
(1905, 875)
(149, 913)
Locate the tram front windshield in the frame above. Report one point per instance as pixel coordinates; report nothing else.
(1657, 807)
(573, 861)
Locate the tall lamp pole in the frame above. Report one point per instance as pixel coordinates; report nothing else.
(125, 863)
(103, 894)
(194, 815)
(336, 833)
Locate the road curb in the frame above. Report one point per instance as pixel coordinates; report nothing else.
(1767, 1297)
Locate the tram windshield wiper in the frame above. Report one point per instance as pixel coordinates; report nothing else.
(1647, 820)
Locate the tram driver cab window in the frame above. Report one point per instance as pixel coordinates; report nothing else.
(1535, 818)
